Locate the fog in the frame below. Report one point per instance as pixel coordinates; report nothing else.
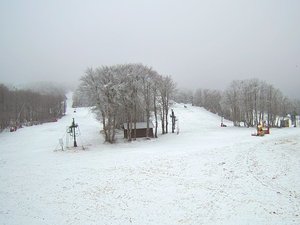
(201, 44)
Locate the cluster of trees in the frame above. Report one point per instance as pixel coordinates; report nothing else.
(248, 101)
(206, 98)
(128, 93)
(254, 101)
(27, 107)
(80, 99)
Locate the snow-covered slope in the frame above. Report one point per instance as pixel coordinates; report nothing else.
(204, 175)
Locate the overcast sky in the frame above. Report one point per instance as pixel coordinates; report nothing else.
(201, 44)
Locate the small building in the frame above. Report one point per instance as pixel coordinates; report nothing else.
(141, 129)
(286, 121)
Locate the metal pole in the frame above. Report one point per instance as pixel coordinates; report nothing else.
(173, 121)
(74, 133)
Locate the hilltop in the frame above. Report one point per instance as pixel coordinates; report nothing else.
(204, 175)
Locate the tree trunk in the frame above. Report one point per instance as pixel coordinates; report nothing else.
(167, 112)
(114, 128)
(155, 115)
(163, 119)
(135, 113)
(104, 126)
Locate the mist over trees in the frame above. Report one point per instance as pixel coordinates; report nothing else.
(244, 101)
(28, 107)
(126, 94)
(48, 88)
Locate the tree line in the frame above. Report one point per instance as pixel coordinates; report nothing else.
(28, 107)
(249, 102)
(127, 93)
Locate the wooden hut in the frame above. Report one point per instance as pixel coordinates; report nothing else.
(286, 121)
(141, 129)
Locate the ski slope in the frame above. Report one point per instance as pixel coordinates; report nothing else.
(204, 175)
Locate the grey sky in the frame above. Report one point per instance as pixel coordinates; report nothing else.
(203, 44)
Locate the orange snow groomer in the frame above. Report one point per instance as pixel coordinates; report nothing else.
(260, 131)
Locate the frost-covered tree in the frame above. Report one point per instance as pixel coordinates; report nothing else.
(80, 98)
(231, 102)
(126, 94)
(166, 90)
(185, 96)
(254, 101)
(197, 98)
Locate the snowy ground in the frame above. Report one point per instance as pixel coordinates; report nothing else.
(204, 175)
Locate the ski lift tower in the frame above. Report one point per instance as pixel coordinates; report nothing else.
(72, 131)
(173, 121)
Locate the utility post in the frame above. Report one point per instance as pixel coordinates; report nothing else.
(173, 121)
(73, 131)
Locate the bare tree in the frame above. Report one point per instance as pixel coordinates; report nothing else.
(126, 94)
(27, 107)
(198, 101)
(166, 90)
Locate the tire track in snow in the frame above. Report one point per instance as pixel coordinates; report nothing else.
(262, 173)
